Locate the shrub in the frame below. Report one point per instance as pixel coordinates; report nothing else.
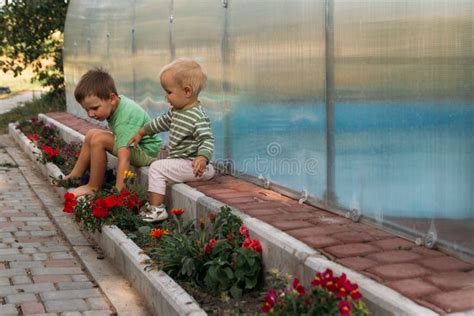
(52, 147)
(328, 295)
(219, 255)
(109, 207)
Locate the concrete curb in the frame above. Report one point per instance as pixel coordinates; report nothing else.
(289, 255)
(161, 293)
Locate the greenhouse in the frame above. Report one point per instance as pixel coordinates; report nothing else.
(362, 108)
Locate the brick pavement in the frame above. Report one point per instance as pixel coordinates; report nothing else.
(429, 277)
(38, 272)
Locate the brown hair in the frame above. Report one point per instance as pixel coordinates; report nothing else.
(95, 82)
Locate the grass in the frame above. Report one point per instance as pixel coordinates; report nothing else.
(20, 83)
(47, 103)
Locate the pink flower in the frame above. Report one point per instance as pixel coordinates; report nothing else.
(244, 231)
(253, 244)
(208, 247)
(270, 300)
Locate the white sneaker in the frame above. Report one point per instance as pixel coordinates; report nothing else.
(153, 214)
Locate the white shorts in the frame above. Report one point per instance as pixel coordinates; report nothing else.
(165, 171)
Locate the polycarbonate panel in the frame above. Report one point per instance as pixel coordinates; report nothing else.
(404, 114)
(150, 50)
(198, 32)
(366, 105)
(276, 76)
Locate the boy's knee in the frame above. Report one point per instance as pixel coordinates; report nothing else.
(90, 135)
(98, 139)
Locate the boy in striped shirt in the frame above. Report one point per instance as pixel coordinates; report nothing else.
(191, 141)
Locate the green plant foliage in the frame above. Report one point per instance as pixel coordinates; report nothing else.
(109, 207)
(217, 255)
(178, 256)
(233, 269)
(328, 294)
(53, 148)
(226, 225)
(31, 34)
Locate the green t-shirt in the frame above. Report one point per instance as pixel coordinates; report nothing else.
(125, 122)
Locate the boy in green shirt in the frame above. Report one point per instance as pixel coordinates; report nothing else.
(98, 96)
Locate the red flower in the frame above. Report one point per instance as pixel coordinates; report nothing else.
(345, 308)
(208, 247)
(177, 211)
(99, 209)
(244, 231)
(298, 287)
(69, 202)
(317, 279)
(33, 137)
(99, 212)
(270, 300)
(343, 286)
(122, 196)
(157, 232)
(325, 280)
(253, 244)
(110, 201)
(355, 293)
(50, 151)
(132, 201)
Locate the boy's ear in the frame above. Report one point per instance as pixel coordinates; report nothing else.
(188, 91)
(113, 97)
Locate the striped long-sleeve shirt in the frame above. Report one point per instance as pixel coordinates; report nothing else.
(190, 132)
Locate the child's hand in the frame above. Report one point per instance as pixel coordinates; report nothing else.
(135, 140)
(199, 165)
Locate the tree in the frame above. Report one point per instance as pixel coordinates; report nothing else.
(31, 34)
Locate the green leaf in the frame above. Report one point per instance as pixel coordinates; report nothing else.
(212, 272)
(236, 292)
(229, 272)
(145, 230)
(250, 283)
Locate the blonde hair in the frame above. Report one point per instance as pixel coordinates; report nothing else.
(187, 72)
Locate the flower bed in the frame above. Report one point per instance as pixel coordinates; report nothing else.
(161, 293)
(216, 253)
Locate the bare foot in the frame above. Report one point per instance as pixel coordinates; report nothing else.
(61, 179)
(83, 190)
(55, 181)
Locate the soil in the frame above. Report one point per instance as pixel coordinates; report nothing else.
(249, 304)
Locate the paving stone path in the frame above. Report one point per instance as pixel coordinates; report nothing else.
(17, 100)
(39, 274)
